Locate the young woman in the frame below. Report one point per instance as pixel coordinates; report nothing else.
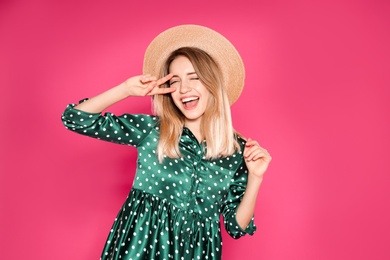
(192, 166)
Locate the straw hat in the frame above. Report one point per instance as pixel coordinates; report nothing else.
(217, 46)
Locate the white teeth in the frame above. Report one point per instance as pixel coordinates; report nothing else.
(184, 100)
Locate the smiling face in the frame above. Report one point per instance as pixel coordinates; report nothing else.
(191, 96)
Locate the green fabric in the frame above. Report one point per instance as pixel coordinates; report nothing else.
(173, 209)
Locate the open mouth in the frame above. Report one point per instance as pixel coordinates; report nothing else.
(190, 102)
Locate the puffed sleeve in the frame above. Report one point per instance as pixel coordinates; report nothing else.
(236, 192)
(126, 129)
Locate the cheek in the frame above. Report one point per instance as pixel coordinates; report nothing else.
(175, 98)
(207, 96)
(208, 102)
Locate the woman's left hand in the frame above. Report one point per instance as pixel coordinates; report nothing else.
(257, 158)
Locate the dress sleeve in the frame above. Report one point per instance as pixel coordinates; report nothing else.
(125, 129)
(236, 192)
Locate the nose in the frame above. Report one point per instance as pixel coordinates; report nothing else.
(184, 87)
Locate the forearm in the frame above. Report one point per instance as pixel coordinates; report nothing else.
(247, 205)
(102, 101)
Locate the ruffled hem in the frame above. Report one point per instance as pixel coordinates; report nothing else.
(150, 227)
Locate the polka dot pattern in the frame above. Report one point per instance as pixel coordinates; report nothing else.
(173, 210)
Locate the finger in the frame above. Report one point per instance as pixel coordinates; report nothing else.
(250, 150)
(259, 154)
(161, 91)
(263, 154)
(164, 79)
(251, 142)
(149, 88)
(255, 155)
(144, 78)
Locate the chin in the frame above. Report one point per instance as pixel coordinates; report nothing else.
(193, 117)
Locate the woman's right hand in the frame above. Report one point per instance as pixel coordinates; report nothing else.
(146, 85)
(136, 86)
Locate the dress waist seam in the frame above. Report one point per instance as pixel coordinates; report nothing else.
(185, 211)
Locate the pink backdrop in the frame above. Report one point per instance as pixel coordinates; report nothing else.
(317, 97)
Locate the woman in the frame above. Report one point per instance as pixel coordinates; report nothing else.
(192, 166)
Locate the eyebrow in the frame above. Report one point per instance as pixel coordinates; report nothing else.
(188, 74)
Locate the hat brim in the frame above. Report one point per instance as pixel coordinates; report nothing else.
(206, 39)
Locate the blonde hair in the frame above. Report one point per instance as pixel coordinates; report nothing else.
(216, 124)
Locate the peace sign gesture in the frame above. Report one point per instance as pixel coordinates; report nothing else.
(146, 85)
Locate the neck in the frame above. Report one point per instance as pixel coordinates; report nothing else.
(194, 126)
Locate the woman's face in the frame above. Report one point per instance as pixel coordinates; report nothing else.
(191, 96)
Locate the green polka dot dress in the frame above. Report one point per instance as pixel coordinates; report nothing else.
(173, 209)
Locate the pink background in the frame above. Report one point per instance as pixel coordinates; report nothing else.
(317, 97)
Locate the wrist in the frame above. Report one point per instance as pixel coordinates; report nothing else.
(124, 89)
(254, 180)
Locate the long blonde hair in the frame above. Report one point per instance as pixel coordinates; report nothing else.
(216, 124)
